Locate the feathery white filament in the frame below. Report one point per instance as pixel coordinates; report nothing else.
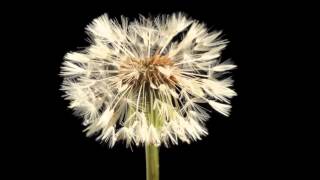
(138, 82)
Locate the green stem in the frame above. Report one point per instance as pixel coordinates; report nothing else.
(152, 162)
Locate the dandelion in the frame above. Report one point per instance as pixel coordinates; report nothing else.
(143, 82)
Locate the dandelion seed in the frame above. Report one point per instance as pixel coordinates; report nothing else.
(138, 83)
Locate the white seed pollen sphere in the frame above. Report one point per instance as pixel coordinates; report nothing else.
(143, 82)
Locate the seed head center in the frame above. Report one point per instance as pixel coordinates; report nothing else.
(153, 71)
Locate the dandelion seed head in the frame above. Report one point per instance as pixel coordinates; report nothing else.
(143, 82)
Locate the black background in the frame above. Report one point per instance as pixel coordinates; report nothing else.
(47, 140)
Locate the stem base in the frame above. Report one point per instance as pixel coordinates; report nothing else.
(152, 162)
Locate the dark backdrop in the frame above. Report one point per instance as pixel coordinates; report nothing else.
(48, 139)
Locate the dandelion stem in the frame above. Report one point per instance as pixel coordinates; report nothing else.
(152, 162)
